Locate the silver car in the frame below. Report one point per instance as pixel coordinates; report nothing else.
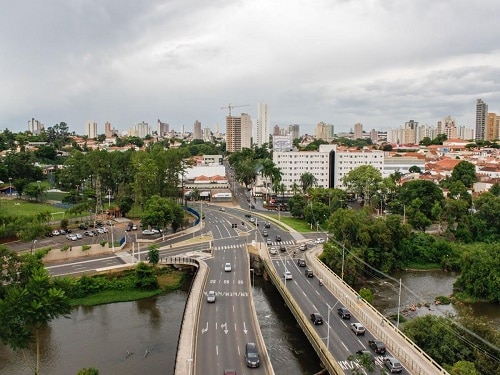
(210, 296)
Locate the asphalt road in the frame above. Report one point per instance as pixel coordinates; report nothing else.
(227, 325)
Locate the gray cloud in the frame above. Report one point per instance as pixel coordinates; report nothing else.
(375, 62)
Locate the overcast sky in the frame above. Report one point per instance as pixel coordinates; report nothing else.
(377, 62)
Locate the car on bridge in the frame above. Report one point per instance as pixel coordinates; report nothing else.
(309, 273)
(393, 365)
(344, 313)
(301, 262)
(252, 355)
(358, 328)
(377, 346)
(316, 318)
(227, 267)
(287, 275)
(303, 247)
(267, 225)
(282, 247)
(210, 296)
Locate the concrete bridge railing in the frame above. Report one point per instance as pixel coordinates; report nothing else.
(410, 355)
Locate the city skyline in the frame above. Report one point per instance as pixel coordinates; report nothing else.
(377, 63)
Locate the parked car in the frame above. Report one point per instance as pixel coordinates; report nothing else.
(393, 365)
(71, 237)
(377, 346)
(227, 267)
(309, 273)
(301, 262)
(252, 355)
(316, 318)
(56, 232)
(134, 227)
(287, 275)
(62, 231)
(147, 232)
(89, 233)
(320, 240)
(303, 247)
(129, 226)
(78, 236)
(358, 328)
(100, 230)
(83, 226)
(210, 296)
(344, 313)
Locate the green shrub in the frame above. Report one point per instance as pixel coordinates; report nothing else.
(65, 247)
(86, 247)
(103, 243)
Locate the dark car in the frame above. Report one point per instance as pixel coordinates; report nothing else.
(301, 263)
(309, 273)
(278, 238)
(377, 346)
(252, 355)
(316, 318)
(83, 226)
(344, 313)
(282, 247)
(268, 225)
(248, 215)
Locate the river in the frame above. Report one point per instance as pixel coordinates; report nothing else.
(101, 336)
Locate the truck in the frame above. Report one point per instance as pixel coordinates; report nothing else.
(377, 346)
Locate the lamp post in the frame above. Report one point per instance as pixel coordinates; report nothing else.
(328, 323)
(109, 198)
(10, 186)
(253, 276)
(33, 246)
(342, 272)
(399, 299)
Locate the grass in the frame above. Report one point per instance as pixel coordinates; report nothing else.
(423, 267)
(298, 224)
(21, 207)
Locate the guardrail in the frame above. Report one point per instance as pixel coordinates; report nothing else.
(412, 356)
(319, 346)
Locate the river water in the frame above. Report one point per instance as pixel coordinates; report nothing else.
(101, 336)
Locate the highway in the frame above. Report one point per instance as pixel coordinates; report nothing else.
(226, 326)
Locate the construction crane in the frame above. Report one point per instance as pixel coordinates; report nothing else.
(229, 107)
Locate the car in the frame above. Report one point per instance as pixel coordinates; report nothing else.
(320, 240)
(287, 275)
(89, 233)
(56, 232)
(105, 230)
(227, 267)
(282, 247)
(248, 215)
(222, 209)
(265, 234)
(267, 225)
(78, 236)
(252, 220)
(83, 226)
(366, 353)
(147, 232)
(134, 227)
(273, 251)
(344, 313)
(278, 238)
(129, 227)
(71, 237)
(252, 355)
(155, 231)
(301, 262)
(62, 231)
(377, 346)
(358, 328)
(309, 273)
(303, 247)
(100, 230)
(229, 372)
(210, 296)
(316, 318)
(269, 242)
(393, 365)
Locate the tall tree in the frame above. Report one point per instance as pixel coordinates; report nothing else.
(465, 172)
(363, 181)
(307, 180)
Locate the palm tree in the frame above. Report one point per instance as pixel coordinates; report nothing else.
(307, 180)
(295, 188)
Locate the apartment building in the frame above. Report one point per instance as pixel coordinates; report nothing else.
(481, 115)
(238, 132)
(91, 129)
(261, 134)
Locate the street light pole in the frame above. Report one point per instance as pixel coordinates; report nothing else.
(10, 186)
(342, 273)
(399, 303)
(253, 276)
(33, 246)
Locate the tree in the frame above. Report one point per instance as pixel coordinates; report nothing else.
(465, 172)
(88, 371)
(297, 205)
(426, 191)
(363, 181)
(29, 306)
(464, 368)
(495, 189)
(307, 180)
(153, 255)
(414, 169)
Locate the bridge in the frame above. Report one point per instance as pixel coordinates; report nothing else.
(414, 360)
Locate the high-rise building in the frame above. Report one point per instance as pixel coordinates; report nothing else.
(107, 130)
(238, 132)
(324, 131)
(162, 128)
(35, 127)
(294, 131)
(481, 115)
(246, 131)
(207, 134)
(197, 130)
(276, 130)
(261, 134)
(91, 129)
(141, 130)
(358, 131)
(492, 127)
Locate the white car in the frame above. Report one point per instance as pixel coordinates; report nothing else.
(71, 237)
(227, 267)
(288, 275)
(273, 251)
(78, 236)
(210, 296)
(320, 240)
(147, 232)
